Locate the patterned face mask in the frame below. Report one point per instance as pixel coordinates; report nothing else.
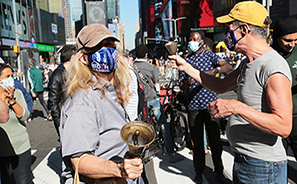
(230, 39)
(104, 60)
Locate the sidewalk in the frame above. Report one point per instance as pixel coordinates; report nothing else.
(49, 170)
(183, 172)
(174, 173)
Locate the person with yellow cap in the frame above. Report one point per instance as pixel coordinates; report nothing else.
(262, 114)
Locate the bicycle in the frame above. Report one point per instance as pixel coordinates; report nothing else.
(177, 122)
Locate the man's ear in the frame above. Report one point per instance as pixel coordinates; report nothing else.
(83, 59)
(245, 29)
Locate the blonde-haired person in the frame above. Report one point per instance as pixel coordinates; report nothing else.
(93, 114)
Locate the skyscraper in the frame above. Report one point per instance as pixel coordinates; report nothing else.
(113, 10)
(66, 15)
(76, 10)
(62, 8)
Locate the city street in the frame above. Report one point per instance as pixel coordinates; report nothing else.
(47, 168)
(89, 39)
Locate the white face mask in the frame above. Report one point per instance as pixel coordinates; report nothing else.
(9, 82)
(194, 46)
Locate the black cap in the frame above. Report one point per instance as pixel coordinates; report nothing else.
(285, 26)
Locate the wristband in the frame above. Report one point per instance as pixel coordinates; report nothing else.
(12, 104)
(219, 69)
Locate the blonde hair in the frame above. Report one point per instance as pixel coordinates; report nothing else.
(80, 77)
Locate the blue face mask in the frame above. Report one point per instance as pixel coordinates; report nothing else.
(8, 82)
(104, 60)
(230, 39)
(194, 46)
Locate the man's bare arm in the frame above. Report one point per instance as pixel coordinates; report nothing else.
(224, 68)
(210, 82)
(278, 122)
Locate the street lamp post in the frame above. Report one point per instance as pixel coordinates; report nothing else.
(175, 26)
(17, 41)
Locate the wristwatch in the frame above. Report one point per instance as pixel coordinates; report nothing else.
(219, 69)
(13, 104)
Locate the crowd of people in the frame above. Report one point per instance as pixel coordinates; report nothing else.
(96, 78)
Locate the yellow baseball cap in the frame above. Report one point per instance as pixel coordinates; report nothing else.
(250, 12)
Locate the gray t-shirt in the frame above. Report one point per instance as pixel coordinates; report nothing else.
(91, 124)
(152, 74)
(244, 137)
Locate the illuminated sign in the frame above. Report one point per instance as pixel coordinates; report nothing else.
(45, 48)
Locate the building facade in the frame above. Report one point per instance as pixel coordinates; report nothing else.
(194, 15)
(67, 18)
(105, 12)
(39, 31)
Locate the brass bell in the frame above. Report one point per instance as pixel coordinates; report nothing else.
(138, 135)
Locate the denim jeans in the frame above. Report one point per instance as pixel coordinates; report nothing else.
(159, 114)
(251, 170)
(21, 165)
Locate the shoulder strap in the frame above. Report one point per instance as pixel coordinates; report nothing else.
(144, 77)
(126, 114)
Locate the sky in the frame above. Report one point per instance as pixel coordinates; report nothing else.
(129, 16)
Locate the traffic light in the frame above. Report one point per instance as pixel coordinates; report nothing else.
(16, 49)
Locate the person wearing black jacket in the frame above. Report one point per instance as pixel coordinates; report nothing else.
(57, 94)
(284, 42)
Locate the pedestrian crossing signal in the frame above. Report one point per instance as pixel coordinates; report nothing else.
(16, 49)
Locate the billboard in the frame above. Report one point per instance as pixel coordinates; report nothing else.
(42, 4)
(113, 29)
(55, 6)
(51, 28)
(111, 12)
(76, 8)
(158, 5)
(95, 12)
(167, 25)
(207, 18)
(31, 25)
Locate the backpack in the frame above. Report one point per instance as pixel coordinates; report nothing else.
(142, 103)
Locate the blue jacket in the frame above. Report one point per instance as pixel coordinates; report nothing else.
(29, 101)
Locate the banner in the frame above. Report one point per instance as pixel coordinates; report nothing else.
(95, 12)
